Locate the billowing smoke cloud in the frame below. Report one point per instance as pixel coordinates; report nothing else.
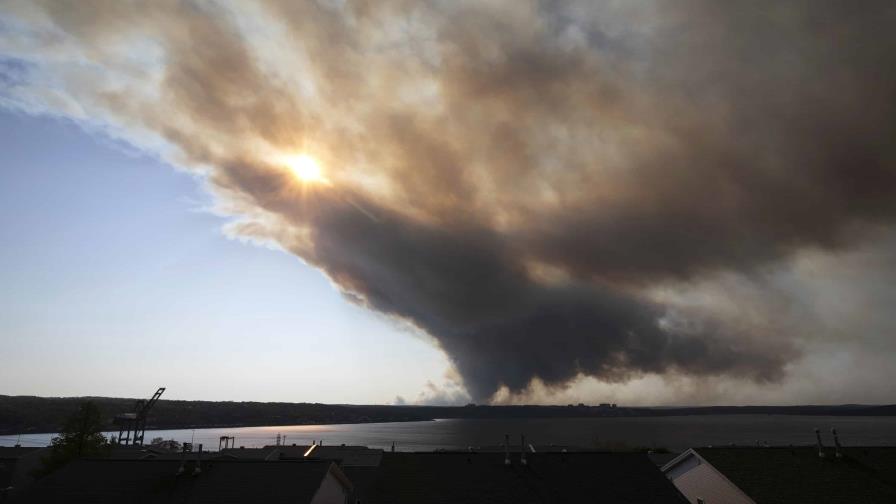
(518, 179)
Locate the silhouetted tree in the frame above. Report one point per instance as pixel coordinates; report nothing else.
(165, 444)
(81, 436)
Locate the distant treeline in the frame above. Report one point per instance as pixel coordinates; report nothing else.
(29, 414)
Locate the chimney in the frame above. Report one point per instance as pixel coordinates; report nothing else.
(820, 446)
(183, 456)
(198, 462)
(837, 452)
(506, 449)
(523, 449)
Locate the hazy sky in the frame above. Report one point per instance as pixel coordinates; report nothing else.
(510, 201)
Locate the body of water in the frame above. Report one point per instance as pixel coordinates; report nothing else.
(675, 433)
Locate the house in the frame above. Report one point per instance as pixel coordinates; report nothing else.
(218, 481)
(557, 477)
(793, 475)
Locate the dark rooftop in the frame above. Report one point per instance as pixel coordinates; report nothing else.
(15, 452)
(797, 475)
(16, 463)
(343, 455)
(245, 453)
(458, 477)
(156, 481)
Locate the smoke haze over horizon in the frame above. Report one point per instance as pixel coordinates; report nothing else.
(655, 202)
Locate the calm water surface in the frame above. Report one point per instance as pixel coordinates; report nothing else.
(675, 433)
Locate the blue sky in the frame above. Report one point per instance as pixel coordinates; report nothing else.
(117, 280)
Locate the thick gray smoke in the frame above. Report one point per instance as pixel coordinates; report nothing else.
(515, 178)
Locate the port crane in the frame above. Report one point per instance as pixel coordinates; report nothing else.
(136, 422)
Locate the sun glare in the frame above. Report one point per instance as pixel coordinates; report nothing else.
(306, 169)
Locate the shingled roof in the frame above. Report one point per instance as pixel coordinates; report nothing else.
(156, 481)
(797, 475)
(483, 477)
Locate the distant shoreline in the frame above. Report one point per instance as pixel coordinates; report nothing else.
(42, 415)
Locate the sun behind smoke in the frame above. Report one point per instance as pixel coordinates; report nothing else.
(306, 169)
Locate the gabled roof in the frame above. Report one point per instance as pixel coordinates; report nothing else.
(798, 474)
(156, 481)
(456, 477)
